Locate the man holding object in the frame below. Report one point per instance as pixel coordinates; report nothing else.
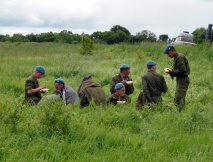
(181, 71)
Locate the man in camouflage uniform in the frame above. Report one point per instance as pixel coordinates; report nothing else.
(32, 88)
(89, 90)
(181, 71)
(119, 95)
(153, 85)
(122, 77)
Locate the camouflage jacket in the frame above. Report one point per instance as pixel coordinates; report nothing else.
(32, 83)
(180, 66)
(117, 79)
(114, 98)
(153, 84)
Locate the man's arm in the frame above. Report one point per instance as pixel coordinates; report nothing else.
(181, 66)
(130, 87)
(145, 89)
(29, 87)
(164, 86)
(112, 85)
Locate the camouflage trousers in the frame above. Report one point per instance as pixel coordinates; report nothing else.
(182, 85)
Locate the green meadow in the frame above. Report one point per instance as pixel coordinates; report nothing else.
(68, 133)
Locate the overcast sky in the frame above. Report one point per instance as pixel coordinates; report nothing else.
(159, 16)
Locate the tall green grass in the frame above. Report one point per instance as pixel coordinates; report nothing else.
(122, 133)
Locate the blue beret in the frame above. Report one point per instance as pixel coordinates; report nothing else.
(151, 63)
(124, 66)
(119, 86)
(59, 80)
(167, 48)
(40, 69)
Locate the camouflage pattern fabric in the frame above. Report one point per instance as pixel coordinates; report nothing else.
(32, 83)
(117, 79)
(153, 85)
(181, 71)
(114, 98)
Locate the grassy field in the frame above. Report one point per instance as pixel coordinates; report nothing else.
(121, 133)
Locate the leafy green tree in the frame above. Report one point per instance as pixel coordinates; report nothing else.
(6, 38)
(97, 35)
(123, 37)
(66, 36)
(118, 27)
(77, 38)
(199, 35)
(1, 36)
(47, 37)
(17, 38)
(111, 37)
(163, 37)
(146, 35)
(31, 37)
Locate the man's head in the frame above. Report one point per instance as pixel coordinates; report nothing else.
(125, 69)
(39, 72)
(151, 65)
(170, 51)
(59, 84)
(120, 89)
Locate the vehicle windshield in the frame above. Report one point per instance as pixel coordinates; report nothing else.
(185, 39)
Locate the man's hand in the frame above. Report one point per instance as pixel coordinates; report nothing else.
(153, 104)
(43, 86)
(123, 82)
(169, 71)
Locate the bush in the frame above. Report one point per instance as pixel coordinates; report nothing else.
(87, 46)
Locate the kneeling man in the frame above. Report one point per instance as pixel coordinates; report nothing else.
(153, 85)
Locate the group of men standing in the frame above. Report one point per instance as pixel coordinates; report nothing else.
(121, 85)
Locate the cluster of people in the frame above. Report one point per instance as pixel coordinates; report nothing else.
(121, 86)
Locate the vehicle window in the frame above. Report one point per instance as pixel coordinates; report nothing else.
(186, 39)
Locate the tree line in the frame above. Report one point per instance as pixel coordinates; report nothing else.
(117, 34)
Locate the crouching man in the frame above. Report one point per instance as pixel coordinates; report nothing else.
(89, 90)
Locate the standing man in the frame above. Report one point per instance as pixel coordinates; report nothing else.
(153, 85)
(209, 34)
(32, 88)
(119, 95)
(181, 71)
(65, 92)
(122, 77)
